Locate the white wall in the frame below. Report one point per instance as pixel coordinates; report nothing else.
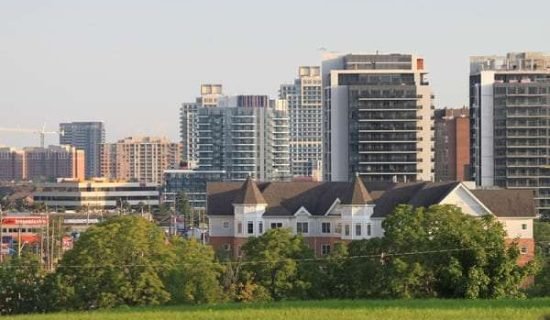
(487, 128)
(514, 229)
(216, 228)
(339, 138)
(462, 199)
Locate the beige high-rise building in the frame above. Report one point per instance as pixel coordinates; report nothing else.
(53, 162)
(378, 118)
(142, 159)
(11, 164)
(305, 113)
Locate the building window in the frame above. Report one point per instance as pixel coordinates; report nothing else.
(226, 225)
(346, 230)
(358, 229)
(369, 230)
(250, 227)
(524, 226)
(227, 247)
(338, 228)
(260, 227)
(302, 227)
(325, 249)
(524, 250)
(239, 228)
(325, 227)
(276, 225)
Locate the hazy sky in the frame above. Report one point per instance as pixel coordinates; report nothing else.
(131, 63)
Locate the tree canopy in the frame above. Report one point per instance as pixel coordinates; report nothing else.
(120, 261)
(437, 252)
(273, 262)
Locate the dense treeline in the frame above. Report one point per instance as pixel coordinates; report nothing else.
(433, 252)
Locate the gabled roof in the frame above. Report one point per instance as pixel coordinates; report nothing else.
(249, 194)
(508, 202)
(359, 194)
(286, 198)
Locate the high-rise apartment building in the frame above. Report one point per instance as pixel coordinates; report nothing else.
(377, 118)
(210, 94)
(85, 136)
(142, 159)
(11, 164)
(510, 124)
(305, 113)
(246, 135)
(452, 144)
(53, 162)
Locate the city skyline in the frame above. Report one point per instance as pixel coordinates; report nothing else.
(79, 62)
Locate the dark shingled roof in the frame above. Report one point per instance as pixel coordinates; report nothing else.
(249, 193)
(508, 202)
(285, 198)
(359, 195)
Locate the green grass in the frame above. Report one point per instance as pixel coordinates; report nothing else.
(333, 309)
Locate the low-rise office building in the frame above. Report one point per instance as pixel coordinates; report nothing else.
(191, 182)
(97, 194)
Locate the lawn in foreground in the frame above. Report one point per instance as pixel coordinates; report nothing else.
(333, 309)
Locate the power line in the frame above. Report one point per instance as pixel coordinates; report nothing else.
(252, 262)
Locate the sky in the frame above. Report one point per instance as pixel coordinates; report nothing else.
(131, 63)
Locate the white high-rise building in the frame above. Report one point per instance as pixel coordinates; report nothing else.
(305, 112)
(378, 118)
(245, 136)
(210, 94)
(510, 126)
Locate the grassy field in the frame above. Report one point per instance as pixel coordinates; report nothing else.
(360, 309)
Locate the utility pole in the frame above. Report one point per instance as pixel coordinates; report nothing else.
(19, 239)
(52, 244)
(1, 235)
(41, 244)
(48, 255)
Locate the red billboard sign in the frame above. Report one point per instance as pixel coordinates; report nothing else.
(29, 220)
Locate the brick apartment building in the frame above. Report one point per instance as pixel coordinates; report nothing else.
(452, 144)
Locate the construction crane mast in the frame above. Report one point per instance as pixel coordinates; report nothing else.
(42, 132)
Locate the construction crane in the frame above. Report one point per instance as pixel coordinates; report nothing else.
(42, 132)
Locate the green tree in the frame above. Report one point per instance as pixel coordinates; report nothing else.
(183, 208)
(21, 280)
(328, 275)
(195, 276)
(542, 240)
(276, 262)
(437, 252)
(118, 262)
